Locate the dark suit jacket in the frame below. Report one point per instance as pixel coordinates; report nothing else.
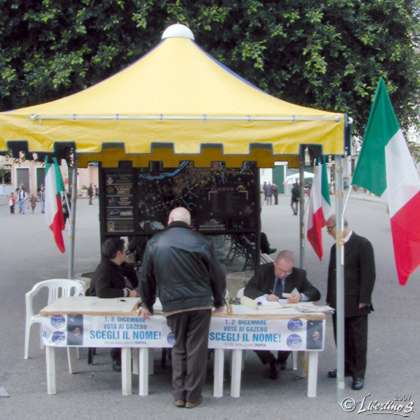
(108, 280)
(359, 276)
(263, 283)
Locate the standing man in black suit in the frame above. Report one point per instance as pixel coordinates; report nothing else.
(274, 279)
(359, 279)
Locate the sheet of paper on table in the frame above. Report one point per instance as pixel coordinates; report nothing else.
(262, 300)
(91, 305)
(262, 306)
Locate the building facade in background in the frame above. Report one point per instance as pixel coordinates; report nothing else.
(31, 174)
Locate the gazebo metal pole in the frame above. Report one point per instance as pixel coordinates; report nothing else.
(301, 215)
(339, 260)
(73, 217)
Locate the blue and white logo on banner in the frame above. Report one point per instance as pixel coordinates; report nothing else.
(58, 337)
(294, 341)
(58, 321)
(171, 338)
(295, 324)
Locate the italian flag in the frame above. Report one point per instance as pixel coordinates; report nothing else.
(319, 208)
(386, 169)
(54, 187)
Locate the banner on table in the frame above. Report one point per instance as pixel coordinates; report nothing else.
(226, 333)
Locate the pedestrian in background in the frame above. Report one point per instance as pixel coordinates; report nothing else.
(12, 202)
(22, 197)
(269, 194)
(41, 197)
(295, 198)
(33, 200)
(265, 189)
(90, 194)
(275, 191)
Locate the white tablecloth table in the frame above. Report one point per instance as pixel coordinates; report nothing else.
(92, 322)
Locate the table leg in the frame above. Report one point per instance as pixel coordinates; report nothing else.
(71, 359)
(312, 373)
(50, 362)
(236, 371)
(135, 358)
(144, 372)
(151, 361)
(126, 378)
(295, 357)
(302, 364)
(218, 372)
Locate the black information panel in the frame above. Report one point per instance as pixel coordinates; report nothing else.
(221, 200)
(119, 201)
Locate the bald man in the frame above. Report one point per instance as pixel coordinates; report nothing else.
(181, 268)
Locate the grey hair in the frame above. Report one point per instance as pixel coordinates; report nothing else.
(180, 214)
(285, 255)
(333, 219)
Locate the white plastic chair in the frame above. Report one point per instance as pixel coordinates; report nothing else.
(240, 293)
(265, 258)
(56, 288)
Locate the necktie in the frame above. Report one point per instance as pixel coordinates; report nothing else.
(278, 289)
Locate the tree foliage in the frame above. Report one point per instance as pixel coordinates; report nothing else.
(328, 54)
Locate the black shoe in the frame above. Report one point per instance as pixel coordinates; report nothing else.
(333, 373)
(272, 250)
(358, 383)
(282, 365)
(116, 367)
(273, 372)
(193, 404)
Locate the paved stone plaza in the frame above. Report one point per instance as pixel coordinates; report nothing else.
(28, 255)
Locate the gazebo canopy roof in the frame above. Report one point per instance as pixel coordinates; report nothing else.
(173, 104)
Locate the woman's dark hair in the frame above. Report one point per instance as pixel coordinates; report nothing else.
(111, 246)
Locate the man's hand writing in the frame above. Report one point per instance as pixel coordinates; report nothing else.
(294, 298)
(144, 313)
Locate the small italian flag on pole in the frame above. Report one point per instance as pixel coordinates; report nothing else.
(319, 208)
(386, 169)
(54, 187)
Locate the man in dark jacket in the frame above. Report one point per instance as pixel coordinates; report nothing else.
(359, 279)
(180, 267)
(113, 278)
(295, 198)
(272, 280)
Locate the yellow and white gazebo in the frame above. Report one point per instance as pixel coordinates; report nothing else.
(175, 103)
(178, 103)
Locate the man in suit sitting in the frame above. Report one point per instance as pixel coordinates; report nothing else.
(274, 279)
(359, 279)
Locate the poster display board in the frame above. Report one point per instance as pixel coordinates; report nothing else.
(136, 202)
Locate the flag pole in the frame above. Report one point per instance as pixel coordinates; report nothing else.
(301, 213)
(72, 214)
(339, 273)
(350, 187)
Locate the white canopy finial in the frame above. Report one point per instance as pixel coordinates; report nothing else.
(178, 31)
